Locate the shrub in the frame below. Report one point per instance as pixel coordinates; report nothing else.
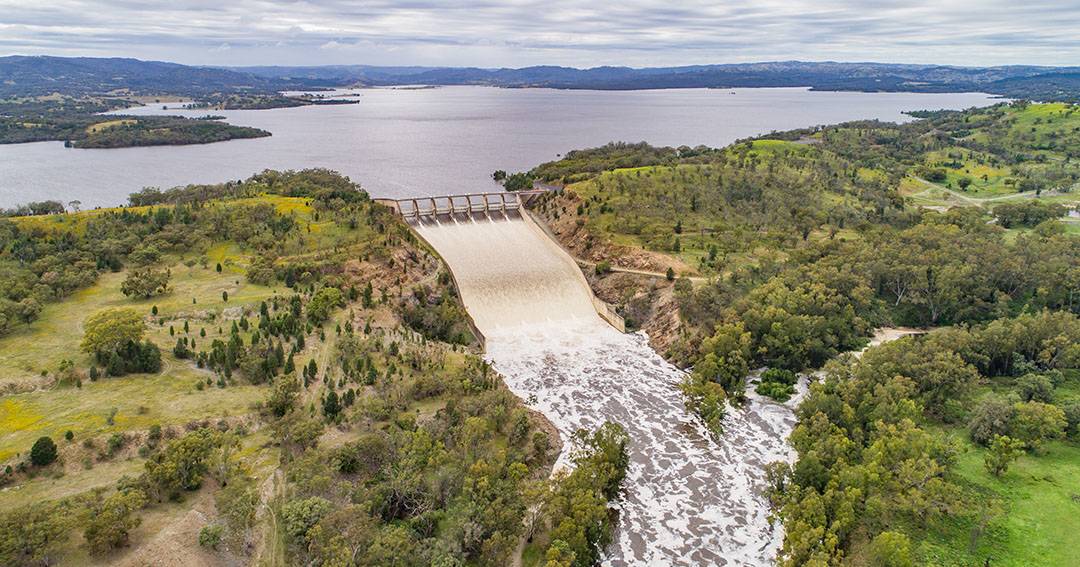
(1072, 419)
(991, 418)
(1036, 388)
(43, 453)
(780, 376)
(301, 515)
(210, 536)
(776, 390)
(113, 520)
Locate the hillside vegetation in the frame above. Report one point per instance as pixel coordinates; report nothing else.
(272, 371)
(783, 252)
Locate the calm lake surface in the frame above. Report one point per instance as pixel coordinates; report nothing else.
(410, 142)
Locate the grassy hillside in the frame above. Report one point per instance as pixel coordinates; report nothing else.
(314, 389)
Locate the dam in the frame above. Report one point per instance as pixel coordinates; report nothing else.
(687, 498)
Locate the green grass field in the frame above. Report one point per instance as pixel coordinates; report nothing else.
(139, 400)
(168, 397)
(1034, 511)
(987, 179)
(1029, 514)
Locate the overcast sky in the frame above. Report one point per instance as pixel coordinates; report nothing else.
(515, 33)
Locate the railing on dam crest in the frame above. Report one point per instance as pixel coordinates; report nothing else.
(418, 208)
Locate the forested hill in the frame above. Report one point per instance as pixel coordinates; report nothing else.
(61, 98)
(35, 76)
(1032, 82)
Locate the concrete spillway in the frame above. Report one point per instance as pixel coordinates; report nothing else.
(687, 499)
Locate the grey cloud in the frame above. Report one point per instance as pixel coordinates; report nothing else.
(524, 32)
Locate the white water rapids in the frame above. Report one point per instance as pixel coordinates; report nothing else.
(687, 499)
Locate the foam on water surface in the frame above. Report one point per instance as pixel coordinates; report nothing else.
(687, 499)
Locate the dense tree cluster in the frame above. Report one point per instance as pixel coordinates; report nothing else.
(869, 465)
(808, 245)
(449, 489)
(947, 269)
(1027, 213)
(578, 510)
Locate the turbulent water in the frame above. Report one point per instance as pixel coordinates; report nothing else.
(687, 499)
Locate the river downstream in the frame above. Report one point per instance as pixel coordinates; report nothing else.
(687, 498)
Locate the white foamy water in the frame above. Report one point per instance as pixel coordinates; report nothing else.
(687, 498)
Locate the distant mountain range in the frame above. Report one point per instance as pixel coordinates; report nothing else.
(26, 76)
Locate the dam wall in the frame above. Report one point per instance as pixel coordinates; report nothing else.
(510, 273)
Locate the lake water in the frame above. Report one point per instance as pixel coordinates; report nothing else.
(412, 142)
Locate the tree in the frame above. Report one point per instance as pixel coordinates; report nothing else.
(559, 554)
(891, 549)
(366, 299)
(145, 282)
(1003, 450)
(964, 183)
(145, 256)
(261, 270)
(182, 464)
(1035, 422)
(299, 516)
(990, 419)
(111, 523)
(670, 275)
(1035, 387)
(43, 453)
(331, 405)
(323, 302)
(108, 330)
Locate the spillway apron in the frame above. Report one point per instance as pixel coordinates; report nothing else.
(687, 499)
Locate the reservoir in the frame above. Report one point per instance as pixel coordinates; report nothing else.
(439, 141)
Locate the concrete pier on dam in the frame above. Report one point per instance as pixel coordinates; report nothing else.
(688, 499)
